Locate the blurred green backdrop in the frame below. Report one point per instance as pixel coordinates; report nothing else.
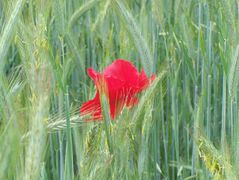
(185, 125)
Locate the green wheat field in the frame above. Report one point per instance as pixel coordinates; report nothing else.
(185, 125)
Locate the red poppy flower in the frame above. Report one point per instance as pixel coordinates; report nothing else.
(121, 83)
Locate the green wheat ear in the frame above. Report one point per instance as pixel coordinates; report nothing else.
(214, 160)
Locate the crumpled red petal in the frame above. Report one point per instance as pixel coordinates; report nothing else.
(123, 83)
(93, 108)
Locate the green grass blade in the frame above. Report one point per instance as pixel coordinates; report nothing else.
(233, 73)
(139, 41)
(7, 34)
(69, 152)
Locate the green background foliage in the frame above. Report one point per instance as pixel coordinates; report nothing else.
(186, 123)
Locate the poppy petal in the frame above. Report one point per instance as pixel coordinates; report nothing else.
(95, 76)
(121, 82)
(132, 102)
(122, 70)
(92, 108)
(144, 81)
